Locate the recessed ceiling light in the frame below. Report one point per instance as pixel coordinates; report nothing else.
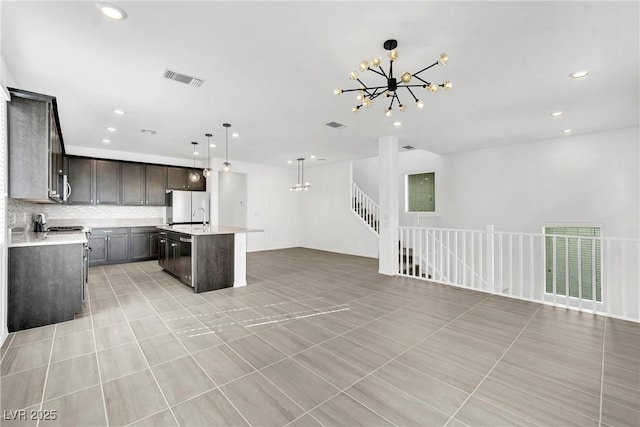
(212, 145)
(111, 129)
(106, 141)
(289, 161)
(118, 111)
(567, 131)
(397, 124)
(312, 156)
(196, 153)
(112, 11)
(556, 114)
(235, 135)
(579, 74)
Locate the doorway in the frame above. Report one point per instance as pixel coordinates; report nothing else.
(232, 199)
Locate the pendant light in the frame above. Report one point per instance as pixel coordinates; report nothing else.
(207, 171)
(301, 184)
(226, 166)
(194, 176)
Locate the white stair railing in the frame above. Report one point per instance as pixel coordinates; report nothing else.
(365, 208)
(604, 278)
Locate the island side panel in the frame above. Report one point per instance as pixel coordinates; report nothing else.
(240, 260)
(45, 285)
(214, 262)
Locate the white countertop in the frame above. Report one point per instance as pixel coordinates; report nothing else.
(22, 239)
(197, 230)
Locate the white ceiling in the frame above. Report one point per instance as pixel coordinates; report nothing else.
(271, 67)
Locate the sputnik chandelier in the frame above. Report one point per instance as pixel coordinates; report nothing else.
(366, 94)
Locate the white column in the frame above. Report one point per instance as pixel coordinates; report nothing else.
(240, 260)
(389, 205)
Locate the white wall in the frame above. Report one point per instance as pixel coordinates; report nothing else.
(365, 175)
(270, 205)
(591, 178)
(328, 223)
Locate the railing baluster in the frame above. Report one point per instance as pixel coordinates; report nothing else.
(511, 279)
(594, 300)
(532, 273)
(455, 254)
(448, 257)
(579, 239)
(554, 269)
(464, 258)
(566, 271)
(501, 265)
(473, 259)
(481, 260)
(413, 253)
(606, 279)
(521, 259)
(624, 280)
(441, 254)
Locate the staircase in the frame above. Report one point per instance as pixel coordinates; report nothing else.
(365, 208)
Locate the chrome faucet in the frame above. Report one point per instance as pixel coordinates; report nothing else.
(204, 217)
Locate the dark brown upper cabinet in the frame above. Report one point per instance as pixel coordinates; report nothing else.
(107, 182)
(82, 172)
(36, 148)
(178, 179)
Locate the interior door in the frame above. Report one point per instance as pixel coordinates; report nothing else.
(232, 199)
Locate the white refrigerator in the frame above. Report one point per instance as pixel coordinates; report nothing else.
(187, 207)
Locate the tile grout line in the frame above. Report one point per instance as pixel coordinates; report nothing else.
(604, 337)
(193, 359)
(46, 377)
(95, 344)
(144, 356)
(389, 361)
(10, 340)
(494, 365)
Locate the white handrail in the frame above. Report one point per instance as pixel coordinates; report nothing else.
(600, 275)
(365, 208)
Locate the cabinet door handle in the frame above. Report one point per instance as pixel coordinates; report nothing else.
(173, 245)
(91, 200)
(97, 201)
(107, 231)
(147, 202)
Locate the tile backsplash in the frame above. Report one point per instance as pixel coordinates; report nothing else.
(23, 214)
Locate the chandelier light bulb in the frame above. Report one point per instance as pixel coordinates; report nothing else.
(376, 61)
(360, 96)
(206, 172)
(419, 103)
(433, 88)
(364, 65)
(356, 108)
(353, 75)
(393, 55)
(406, 77)
(337, 91)
(388, 112)
(447, 85)
(226, 166)
(402, 107)
(443, 59)
(366, 102)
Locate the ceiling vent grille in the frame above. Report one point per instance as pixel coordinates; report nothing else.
(183, 78)
(408, 147)
(335, 125)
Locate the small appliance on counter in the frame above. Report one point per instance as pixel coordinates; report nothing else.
(41, 223)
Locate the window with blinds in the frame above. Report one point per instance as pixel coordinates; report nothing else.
(420, 192)
(577, 262)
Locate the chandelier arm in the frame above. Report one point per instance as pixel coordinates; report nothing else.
(368, 88)
(383, 73)
(423, 81)
(390, 69)
(392, 99)
(411, 92)
(375, 96)
(408, 86)
(425, 69)
(377, 72)
(398, 98)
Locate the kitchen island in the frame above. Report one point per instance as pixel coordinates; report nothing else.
(205, 257)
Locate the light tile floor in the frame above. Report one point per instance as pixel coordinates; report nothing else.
(318, 339)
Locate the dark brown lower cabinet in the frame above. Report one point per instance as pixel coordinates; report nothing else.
(45, 285)
(204, 262)
(123, 244)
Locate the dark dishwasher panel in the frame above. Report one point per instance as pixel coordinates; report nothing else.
(185, 261)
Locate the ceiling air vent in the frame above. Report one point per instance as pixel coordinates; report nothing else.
(335, 125)
(148, 131)
(408, 147)
(183, 78)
